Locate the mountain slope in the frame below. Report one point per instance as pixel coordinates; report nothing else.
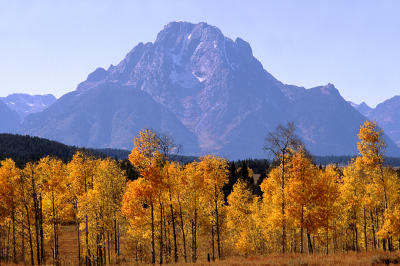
(363, 108)
(387, 115)
(327, 122)
(25, 104)
(208, 91)
(108, 116)
(9, 120)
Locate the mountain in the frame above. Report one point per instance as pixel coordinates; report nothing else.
(108, 116)
(9, 119)
(327, 123)
(387, 115)
(206, 90)
(25, 104)
(363, 108)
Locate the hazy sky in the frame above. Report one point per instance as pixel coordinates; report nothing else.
(51, 46)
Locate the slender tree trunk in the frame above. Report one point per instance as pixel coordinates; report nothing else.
(167, 237)
(373, 230)
(153, 254)
(183, 229)
(23, 241)
(42, 255)
(54, 232)
(212, 243)
(356, 237)
(30, 235)
(13, 230)
(301, 230)
(118, 240)
(377, 227)
(88, 255)
(217, 223)
(193, 243)
(78, 232)
(194, 230)
(8, 243)
(104, 247)
(334, 237)
(115, 232)
(36, 210)
(173, 228)
(161, 235)
(310, 247)
(365, 232)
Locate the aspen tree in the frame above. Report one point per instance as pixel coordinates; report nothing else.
(281, 144)
(215, 172)
(327, 202)
(34, 186)
(9, 197)
(195, 186)
(147, 158)
(301, 192)
(110, 183)
(81, 171)
(53, 173)
(241, 219)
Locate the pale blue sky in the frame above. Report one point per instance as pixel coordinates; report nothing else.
(51, 46)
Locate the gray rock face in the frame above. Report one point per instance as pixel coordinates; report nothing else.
(9, 119)
(387, 115)
(25, 104)
(206, 90)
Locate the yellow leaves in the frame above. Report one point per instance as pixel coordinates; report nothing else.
(52, 172)
(239, 202)
(146, 150)
(272, 202)
(214, 170)
(391, 226)
(243, 219)
(81, 171)
(371, 144)
(136, 200)
(9, 178)
(97, 188)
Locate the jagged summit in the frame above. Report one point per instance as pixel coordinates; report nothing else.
(186, 53)
(26, 104)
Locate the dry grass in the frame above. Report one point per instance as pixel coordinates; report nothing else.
(343, 259)
(68, 246)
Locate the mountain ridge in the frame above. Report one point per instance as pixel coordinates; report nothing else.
(26, 104)
(216, 96)
(386, 114)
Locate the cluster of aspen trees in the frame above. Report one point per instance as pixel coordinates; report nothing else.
(174, 211)
(36, 200)
(178, 213)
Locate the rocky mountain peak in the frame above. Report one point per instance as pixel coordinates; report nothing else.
(329, 89)
(26, 104)
(207, 90)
